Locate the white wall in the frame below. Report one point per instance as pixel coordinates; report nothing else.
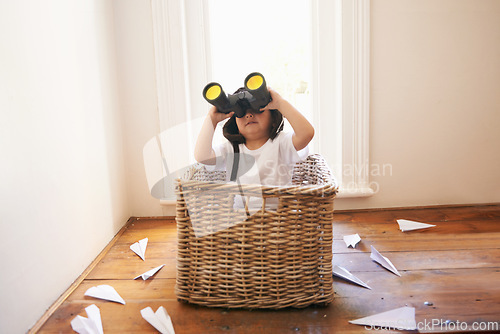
(435, 102)
(136, 72)
(62, 173)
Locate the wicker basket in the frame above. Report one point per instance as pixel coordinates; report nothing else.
(265, 259)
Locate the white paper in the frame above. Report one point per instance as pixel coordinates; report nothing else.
(105, 292)
(351, 240)
(159, 319)
(383, 261)
(90, 325)
(400, 318)
(149, 273)
(409, 225)
(345, 274)
(139, 248)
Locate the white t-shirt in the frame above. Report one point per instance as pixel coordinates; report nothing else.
(270, 165)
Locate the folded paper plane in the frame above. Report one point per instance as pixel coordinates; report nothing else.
(345, 274)
(352, 240)
(397, 319)
(159, 319)
(90, 325)
(139, 248)
(106, 292)
(409, 225)
(383, 261)
(149, 273)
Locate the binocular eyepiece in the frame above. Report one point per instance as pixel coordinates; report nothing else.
(254, 95)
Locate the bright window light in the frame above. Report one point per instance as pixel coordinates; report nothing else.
(270, 37)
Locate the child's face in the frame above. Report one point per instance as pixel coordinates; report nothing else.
(255, 125)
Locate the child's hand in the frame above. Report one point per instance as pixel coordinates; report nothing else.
(275, 100)
(217, 117)
(303, 130)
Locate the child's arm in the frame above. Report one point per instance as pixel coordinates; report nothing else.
(303, 130)
(203, 151)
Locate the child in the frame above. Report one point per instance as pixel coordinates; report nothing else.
(267, 155)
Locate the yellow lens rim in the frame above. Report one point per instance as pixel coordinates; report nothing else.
(213, 92)
(255, 82)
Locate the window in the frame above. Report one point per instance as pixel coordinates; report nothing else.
(244, 38)
(316, 55)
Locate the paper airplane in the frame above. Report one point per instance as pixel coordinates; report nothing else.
(400, 318)
(90, 325)
(351, 240)
(383, 261)
(139, 248)
(409, 225)
(345, 274)
(105, 292)
(159, 319)
(149, 273)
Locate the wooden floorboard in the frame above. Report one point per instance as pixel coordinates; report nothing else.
(455, 266)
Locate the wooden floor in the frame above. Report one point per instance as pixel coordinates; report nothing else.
(455, 266)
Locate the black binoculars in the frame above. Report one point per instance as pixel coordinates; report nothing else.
(254, 95)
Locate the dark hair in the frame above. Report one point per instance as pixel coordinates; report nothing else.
(232, 133)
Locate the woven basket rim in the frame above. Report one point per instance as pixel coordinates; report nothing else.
(327, 188)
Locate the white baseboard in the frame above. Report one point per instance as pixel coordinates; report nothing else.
(168, 207)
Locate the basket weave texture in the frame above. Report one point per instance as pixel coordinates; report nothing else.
(234, 258)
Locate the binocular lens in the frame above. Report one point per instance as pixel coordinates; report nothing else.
(213, 92)
(254, 82)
